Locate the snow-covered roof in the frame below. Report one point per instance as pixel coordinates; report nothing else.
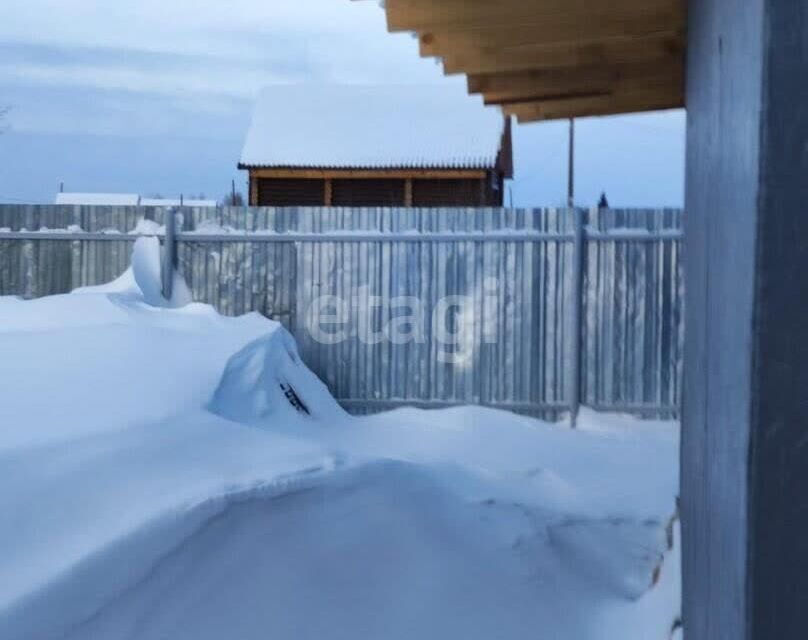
(372, 127)
(170, 202)
(126, 200)
(99, 199)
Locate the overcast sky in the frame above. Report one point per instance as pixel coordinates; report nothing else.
(154, 97)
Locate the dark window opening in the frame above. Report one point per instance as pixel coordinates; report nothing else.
(367, 193)
(448, 193)
(291, 192)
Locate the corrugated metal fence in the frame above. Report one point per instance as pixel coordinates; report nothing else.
(418, 307)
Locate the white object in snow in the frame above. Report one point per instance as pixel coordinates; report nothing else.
(267, 381)
(143, 280)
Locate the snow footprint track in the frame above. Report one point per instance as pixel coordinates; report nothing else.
(111, 574)
(380, 549)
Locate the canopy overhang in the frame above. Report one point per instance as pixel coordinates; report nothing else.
(549, 59)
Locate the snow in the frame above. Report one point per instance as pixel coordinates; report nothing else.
(177, 202)
(259, 381)
(158, 482)
(148, 228)
(127, 200)
(142, 282)
(372, 127)
(98, 199)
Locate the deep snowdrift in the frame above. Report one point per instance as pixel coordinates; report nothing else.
(168, 472)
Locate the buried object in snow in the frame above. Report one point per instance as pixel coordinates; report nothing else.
(268, 380)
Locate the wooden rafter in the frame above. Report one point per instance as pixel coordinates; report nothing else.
(635, 99)
(542, 59)
(561, 29)
(657, 48)
(424, 15)
(599, 80)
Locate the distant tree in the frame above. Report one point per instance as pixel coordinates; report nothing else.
(3, 114)
(233, 199)
(604, 201)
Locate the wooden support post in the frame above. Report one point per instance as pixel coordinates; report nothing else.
(408, 192)
(571, 166)
(329, 193)
(744, 444)
(253, 190)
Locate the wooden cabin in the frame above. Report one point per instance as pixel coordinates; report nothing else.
(359, 146)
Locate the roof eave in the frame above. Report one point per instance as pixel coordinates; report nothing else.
(542, 60)
(493, 166)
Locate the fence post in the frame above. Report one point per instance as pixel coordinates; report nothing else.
(169, 253)
(579, 249)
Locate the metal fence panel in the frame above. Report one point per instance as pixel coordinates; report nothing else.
(513, 270)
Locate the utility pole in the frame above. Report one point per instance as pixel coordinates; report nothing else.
(578, 285)
(233, 193)
(571, 167)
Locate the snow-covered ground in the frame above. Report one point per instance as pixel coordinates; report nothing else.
(157, 482)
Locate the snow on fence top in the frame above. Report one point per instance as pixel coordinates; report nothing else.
(372, 127)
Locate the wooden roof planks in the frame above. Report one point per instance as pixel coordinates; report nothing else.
(545, 59)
